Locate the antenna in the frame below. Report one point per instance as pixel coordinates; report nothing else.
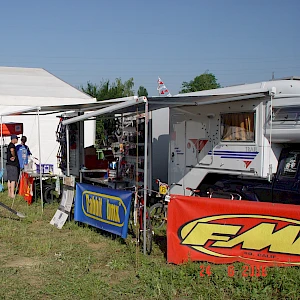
(272, 75)
(162, 89)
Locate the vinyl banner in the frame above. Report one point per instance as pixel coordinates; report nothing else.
(225, 231)
(103, 208)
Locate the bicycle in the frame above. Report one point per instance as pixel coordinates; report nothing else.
(159, 210)
(137, 217)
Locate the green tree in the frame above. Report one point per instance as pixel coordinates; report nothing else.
(105, 91)
(142, 91)
(205, 81)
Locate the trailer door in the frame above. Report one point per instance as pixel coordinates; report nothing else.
(177, 156)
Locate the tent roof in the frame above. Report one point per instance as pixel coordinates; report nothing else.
(37, 87)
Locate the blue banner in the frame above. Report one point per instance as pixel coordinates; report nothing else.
(103, 208)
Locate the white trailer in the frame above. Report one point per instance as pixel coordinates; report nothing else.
(237, 131)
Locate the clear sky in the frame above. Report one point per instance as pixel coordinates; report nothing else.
(240, 41)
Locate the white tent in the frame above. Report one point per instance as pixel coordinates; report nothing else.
(24, 90)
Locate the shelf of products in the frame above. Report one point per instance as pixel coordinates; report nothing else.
(132, 159)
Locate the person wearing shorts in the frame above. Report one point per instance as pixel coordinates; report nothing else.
(12, 166)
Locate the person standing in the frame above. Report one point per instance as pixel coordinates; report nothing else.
(12, 166)
(23, 152)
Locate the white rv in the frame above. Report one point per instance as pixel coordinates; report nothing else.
(233, 133)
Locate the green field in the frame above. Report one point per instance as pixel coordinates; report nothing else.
(39, 261)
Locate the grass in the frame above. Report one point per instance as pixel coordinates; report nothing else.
(39, 261)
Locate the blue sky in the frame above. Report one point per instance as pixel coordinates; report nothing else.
(240, 41)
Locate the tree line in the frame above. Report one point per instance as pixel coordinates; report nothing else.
(110, 90)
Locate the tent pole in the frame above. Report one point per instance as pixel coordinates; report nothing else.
(2, 154)
(145, 173)
(68, 150)
(40, 159)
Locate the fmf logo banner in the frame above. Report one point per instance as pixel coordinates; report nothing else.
(224, 231)
(103, 208)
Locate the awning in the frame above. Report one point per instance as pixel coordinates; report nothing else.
(154, 103)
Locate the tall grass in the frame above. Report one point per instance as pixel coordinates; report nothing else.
(39, 261)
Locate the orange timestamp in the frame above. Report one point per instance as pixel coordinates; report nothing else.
(247, 271)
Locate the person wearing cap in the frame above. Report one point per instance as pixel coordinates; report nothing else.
(23, 152)
(12, 166)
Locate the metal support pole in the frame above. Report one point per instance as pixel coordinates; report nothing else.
(272, 94)
(40, 159)
(68, 150)
(145, 173)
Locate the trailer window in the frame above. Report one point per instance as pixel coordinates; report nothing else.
(286, 114)
(238, 127)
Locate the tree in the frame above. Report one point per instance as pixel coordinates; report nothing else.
(205, 81)
(105, 91)
(142, 91)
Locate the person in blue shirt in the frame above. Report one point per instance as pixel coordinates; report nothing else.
(23, 152)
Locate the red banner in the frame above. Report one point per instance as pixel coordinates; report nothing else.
(225, 231)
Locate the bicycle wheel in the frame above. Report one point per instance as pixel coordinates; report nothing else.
(158, 215)
(149, 234)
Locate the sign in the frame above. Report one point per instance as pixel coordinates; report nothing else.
(64, 209)
(11, 128)
(59, 219)
(104, 208)
(163, 188)
(225, 231)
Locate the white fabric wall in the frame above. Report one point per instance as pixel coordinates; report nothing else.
(48, 127)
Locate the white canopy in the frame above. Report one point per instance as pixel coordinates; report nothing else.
(25, 90)
(37, 87)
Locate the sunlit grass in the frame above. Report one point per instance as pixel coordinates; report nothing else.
(39, 261)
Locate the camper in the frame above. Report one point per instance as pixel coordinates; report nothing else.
(243, 139)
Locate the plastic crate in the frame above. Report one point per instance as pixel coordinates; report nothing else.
(44, 168)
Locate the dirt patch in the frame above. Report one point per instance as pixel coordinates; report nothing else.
(21, 262)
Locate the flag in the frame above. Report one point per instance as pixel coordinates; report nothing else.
(162, 89)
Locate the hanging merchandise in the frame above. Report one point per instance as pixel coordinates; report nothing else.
(62, 150)
(26, 187)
